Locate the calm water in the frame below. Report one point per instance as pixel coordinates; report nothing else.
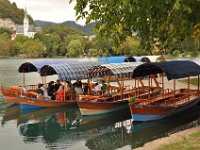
(65, 128)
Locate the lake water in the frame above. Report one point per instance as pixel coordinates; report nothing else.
(65, 128)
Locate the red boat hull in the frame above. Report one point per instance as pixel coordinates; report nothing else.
(150, 112)
(44, 103)
(96, 108)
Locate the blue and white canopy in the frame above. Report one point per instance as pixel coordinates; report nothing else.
(70, 70)
(35, 66)
(115, 69)
(172, 69)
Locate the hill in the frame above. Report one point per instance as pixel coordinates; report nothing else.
(8, 10)
(88, 29)
(44, 23)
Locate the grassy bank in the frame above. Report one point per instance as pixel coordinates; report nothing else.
(193, 81)
(190, 142)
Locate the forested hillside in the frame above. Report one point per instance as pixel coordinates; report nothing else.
(88, 29)
(8, 10)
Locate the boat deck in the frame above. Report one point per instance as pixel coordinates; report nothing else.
(172, 98)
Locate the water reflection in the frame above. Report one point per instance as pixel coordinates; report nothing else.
(145, 132)
(140, 133)
(11, 113)
(49, 124)
(62, 127)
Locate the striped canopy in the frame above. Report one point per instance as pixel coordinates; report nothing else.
(35, 66)
(70, 70)
(117, 69)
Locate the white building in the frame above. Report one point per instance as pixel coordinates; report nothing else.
(26, 29)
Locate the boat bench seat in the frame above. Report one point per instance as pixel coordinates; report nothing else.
(177, 98)
(32, 94)
(88, 97)
(104, 99)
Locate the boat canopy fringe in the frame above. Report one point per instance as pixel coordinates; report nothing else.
(112, 59)
(130, 59)
(35, 66)
(172, 69)
(115, 69)
(70, 70)
(121, 59)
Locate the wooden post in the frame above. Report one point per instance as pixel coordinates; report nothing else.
(23, 79)
(90, 87)
(45, 80)
(119, 85)
(188, 88)
(156, 82)
(142, 84)
(122, 89)
(135, 88)
(149, 86)
(65, 91)
(23, 83)
(163, 84)
(138, 87)
(174, 87)
(198, 85)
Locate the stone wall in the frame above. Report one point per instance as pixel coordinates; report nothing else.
(7, 23)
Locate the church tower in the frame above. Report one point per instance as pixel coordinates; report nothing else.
(26, 23)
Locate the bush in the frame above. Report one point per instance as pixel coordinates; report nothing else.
(176, 53)
(194, 53)
(132, 100)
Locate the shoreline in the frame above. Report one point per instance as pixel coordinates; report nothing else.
(173, 138)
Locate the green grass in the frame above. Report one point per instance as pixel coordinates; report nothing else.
(196, 134)
(189, 143)
(193, 81)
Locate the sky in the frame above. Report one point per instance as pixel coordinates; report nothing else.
(56, 11)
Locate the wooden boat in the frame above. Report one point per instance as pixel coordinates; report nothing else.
(12, 92)
(65, 72)
(96, 108)
(95, 105)
(77, 71)
(170, 101)
(26, 103)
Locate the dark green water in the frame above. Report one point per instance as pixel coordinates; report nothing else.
(65, 128)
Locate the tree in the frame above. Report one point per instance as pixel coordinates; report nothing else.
(33, 49)
(17, 45)
(93, 52)
(56, 39)
(130, 46)
(103, 45)
(5, 30)
(75, 49)
(196, 34)
(4, 48)
(8, 10)
(15, 49)
(166, 21)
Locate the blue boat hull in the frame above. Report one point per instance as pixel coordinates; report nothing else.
(24, 106)
(150, 112)
(143, 117)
